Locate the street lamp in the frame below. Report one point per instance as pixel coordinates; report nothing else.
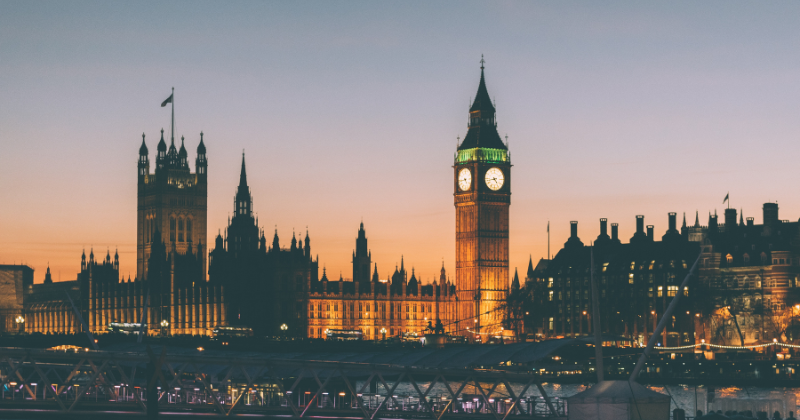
(284, 327)
(164, 326)
(383, 332)
(20, 320)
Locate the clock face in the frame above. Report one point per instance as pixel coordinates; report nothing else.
(464, 179)
(494, 179)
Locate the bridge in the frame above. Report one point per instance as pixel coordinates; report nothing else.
(459, 382)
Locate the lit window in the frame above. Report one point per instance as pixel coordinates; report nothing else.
(671, 290)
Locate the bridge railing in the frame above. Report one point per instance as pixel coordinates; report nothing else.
(141, 381)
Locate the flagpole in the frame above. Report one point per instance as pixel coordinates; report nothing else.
(548, 240)
(172, 129)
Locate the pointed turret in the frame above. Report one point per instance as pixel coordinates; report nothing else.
(307, 247)
(143, 148)
(243, 174)
(515, 282)
(201, 163)
(530, 274)
(182, 155)
(172, 154)
(412, 284)
(275, 243)
(482, 131)
(482, 100)
(47, 278)
(697, 218)
(294, 242)
(161, 155)
(243, 199)
(201, 148)
(375, 278)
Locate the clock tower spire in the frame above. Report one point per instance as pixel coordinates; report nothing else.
(482, 172)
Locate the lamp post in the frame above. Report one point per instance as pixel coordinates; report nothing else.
(164, 326)
(284, 327)
(20, 320)
(383, 333)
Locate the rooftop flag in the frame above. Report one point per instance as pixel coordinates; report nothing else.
(167, 101)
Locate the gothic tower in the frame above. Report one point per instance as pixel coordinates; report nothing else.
(173, 201)
(362, 259)
(482, 185)
(243, 233)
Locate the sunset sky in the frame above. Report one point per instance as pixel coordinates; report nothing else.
(349, 111)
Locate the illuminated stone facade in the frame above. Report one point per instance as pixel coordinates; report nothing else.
(482, 194)
(380, 308)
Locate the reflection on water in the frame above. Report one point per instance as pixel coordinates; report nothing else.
(687, 397)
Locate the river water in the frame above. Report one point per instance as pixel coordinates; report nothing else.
(687, 397)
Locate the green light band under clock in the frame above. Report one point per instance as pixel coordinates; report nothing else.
(480, 154)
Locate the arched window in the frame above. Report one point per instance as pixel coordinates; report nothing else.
(729, 258)
(180, 230)
(764, 258)
(746, 258)
(172, 225)
(189, 233)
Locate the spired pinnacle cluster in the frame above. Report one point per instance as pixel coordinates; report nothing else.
(248, 283)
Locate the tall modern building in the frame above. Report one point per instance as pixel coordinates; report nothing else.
(173, 202)
(482, 185)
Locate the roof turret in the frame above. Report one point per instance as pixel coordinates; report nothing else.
(201, 148)
(143, 148)
(182, 153)
(162, 146)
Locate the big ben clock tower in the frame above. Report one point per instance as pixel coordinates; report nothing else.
(482, 184)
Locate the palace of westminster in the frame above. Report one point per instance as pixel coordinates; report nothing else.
(747, 288)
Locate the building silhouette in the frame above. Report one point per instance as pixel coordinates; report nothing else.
(172, 201)
(260, 284)
(745, 290)
(266, 285)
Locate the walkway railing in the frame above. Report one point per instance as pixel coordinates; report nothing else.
(106, 380)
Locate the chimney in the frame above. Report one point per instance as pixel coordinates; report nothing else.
(650, 232)
(730, 218)
(602, 238)
(573, 239)
(673, 223)
(749, 222)
(639, 236)
(615, 231)
(770, 213)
